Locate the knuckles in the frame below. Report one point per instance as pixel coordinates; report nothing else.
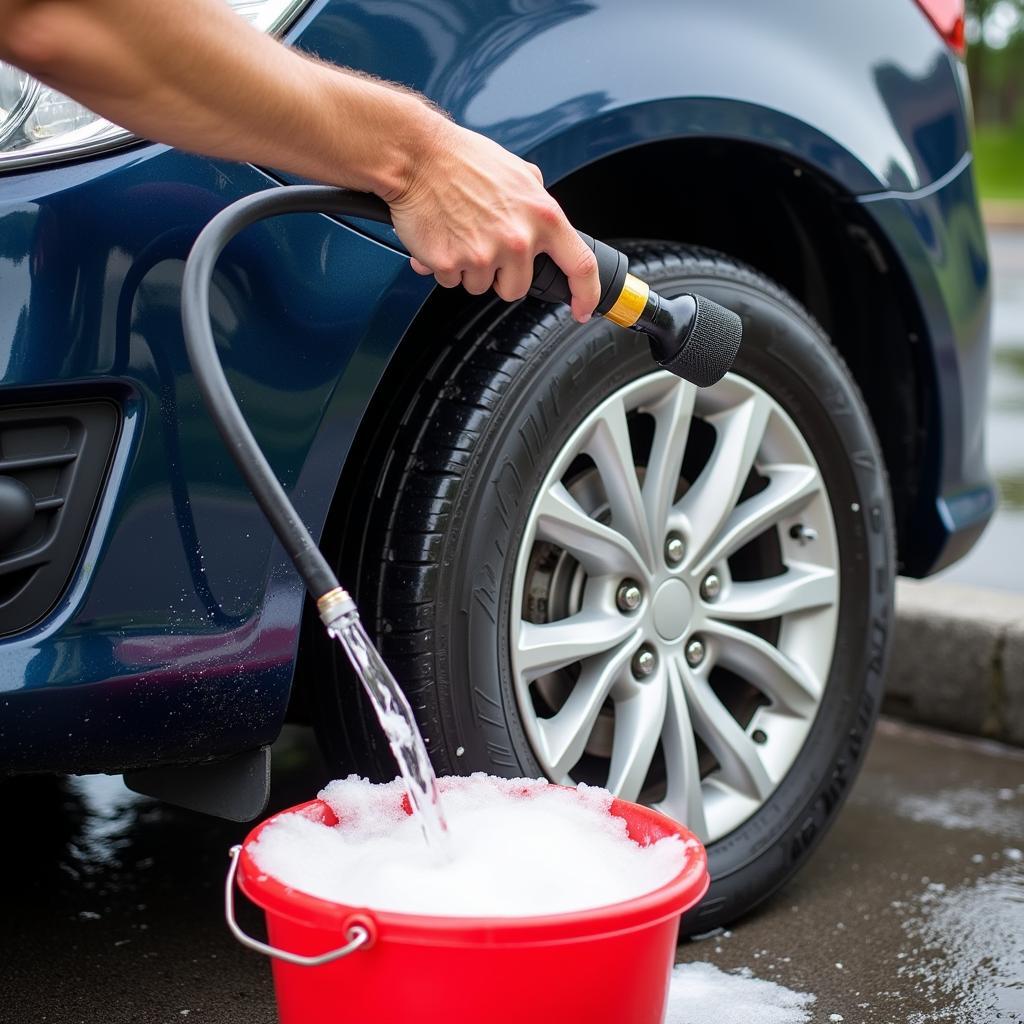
(444, 267)
(518, 243)
(478, 259)
(549, 213)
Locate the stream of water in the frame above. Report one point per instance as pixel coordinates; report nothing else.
(400, 727)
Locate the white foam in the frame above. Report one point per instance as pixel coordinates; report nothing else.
(518, 848)
(702, 994)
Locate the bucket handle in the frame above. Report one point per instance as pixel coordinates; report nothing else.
(358, 933)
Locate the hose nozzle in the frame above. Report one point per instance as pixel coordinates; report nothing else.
(695, 338)
(690, 335)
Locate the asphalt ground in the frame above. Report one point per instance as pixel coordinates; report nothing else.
(912, 909)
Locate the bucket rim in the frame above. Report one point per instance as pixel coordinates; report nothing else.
(675, 897)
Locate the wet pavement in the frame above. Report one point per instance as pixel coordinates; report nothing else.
(911, 910)
(987, 564)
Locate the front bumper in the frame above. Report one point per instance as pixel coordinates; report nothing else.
(174, 640)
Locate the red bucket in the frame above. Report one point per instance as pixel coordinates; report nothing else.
(609, 965)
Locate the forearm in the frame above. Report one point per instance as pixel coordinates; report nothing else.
(195, 75)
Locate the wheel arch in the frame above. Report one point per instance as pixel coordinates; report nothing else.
(807, 232)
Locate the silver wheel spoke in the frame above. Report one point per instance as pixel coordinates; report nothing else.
(564, 736)
(713, 494)
(684, 797)
(790, 686)
(736, 753)
(799, 589)
(790, 489)
(545, 647)
(672, 417)
(609, 447)
(638, 723)
(598, 548)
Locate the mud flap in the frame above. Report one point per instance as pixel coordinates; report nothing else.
(236, 789)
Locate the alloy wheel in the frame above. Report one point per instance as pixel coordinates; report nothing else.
(676, 599)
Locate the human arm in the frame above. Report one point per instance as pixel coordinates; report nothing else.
(196, 76)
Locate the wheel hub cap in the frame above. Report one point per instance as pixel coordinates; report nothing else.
(673, 607)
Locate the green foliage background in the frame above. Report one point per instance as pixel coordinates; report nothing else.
(997, 87)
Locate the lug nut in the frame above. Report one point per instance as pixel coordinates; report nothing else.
(643, 662)
(803, 533)
(695, 652)
(711, 587)
(674, 549)
(629, 596)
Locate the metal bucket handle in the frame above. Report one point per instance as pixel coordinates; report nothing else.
(359, 931)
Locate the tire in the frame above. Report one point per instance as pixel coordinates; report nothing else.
(458, 565)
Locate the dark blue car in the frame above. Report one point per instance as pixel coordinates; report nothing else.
(578, 565)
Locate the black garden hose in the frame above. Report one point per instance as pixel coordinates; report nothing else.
(689, 335)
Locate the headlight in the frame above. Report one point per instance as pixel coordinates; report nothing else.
(40, 125)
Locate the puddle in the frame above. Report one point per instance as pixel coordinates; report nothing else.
(966, 953)
(108, 809)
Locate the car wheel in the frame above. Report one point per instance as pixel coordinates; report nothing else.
(584, 568)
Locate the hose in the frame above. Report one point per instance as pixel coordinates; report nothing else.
(690, 335)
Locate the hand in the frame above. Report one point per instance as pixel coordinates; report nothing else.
(476, 215)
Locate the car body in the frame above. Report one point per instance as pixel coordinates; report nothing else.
(828, 145)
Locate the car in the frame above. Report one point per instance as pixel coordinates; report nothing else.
(578, 566)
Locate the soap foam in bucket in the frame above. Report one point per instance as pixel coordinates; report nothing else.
(610, 962)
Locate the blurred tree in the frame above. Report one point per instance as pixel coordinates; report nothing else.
(995, 58)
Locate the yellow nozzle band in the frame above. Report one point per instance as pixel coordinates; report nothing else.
(630, 303)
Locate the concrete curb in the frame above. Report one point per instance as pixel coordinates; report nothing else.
(958, 659)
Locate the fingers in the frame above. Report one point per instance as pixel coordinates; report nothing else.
(579, 265)
(509, 270)
(445, 275)
(515, 275)
(477, 280)
(513, 282)
(448, 278)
